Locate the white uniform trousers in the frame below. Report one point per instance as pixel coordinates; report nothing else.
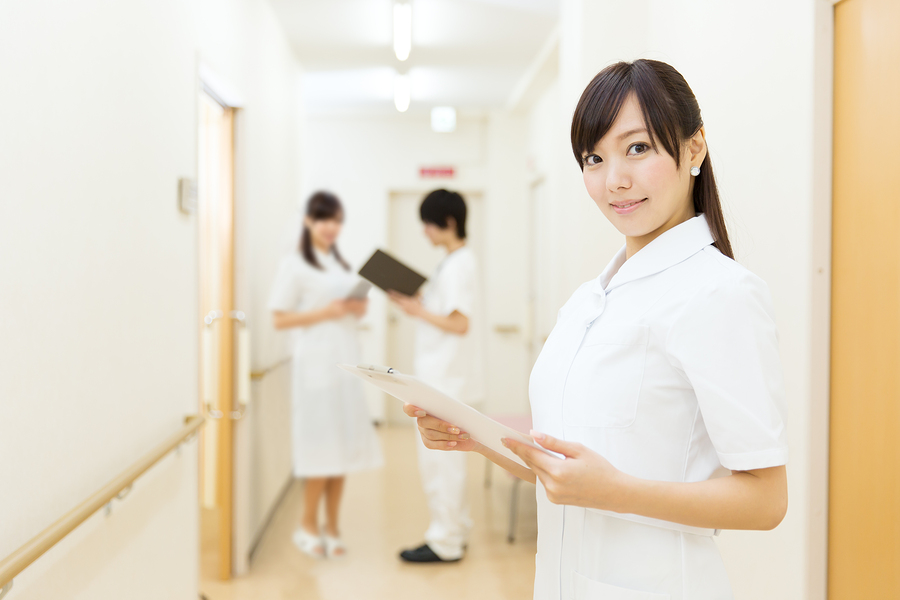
(444, 481)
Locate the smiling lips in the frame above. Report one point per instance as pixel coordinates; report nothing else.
(628, 206)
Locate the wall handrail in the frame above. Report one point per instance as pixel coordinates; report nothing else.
(257, 375)
(33, 549)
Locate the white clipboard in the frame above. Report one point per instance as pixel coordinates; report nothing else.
(407, 388)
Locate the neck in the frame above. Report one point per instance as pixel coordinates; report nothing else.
(634, 244)
(321, 247)
(454, 245)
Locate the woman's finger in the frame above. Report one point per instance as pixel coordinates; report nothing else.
(413, 411)
(434, 428)
(532, 457)
(436, 435)
(431, 422)
(570, 449)
(439, 445)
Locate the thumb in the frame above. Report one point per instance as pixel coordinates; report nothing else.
(549, 442)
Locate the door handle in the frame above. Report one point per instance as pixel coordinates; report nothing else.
(242, 368)
(208, 360)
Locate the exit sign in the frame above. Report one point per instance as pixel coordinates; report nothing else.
(437, 172)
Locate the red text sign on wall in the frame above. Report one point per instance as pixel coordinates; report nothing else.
(437, 172)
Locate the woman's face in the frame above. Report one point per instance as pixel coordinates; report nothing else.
(641, 191)
(324, 232)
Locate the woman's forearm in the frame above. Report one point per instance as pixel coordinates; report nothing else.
(744, 500)
(287, 320)
(512, 466)
(754, 499)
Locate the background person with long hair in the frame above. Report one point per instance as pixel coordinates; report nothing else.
(661, 382)
(331, 431)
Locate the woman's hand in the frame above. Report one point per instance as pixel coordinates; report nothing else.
(357, 307)
(440, 435)
(338, 308)
(411, 305)
(583, 479)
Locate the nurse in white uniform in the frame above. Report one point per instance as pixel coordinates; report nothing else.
(661, 383)
(447, 356)
(331, 431)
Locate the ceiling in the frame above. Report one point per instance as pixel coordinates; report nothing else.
(465, 53)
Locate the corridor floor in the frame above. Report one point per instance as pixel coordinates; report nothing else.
(383, 512)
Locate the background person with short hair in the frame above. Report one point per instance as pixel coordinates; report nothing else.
(448, 356)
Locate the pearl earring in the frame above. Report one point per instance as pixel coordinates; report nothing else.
(695, 171)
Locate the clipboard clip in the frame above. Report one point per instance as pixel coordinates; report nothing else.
(376, 369)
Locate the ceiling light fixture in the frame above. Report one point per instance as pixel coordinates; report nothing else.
(402, 29)
(443, 119)
(401, 92)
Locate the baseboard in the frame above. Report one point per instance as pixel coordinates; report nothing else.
(257, 538)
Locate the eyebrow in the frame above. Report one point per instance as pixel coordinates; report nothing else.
(631, 132)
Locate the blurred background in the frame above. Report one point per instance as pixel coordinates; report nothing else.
(154, 160)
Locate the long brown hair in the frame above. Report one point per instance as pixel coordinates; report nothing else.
(671, 114)
(321, 206)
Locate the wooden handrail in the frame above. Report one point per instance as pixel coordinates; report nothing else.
(257, 375)
(16, 562)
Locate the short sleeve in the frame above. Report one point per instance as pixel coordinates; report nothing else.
(458, 288)
(287, 287)
(726, 344)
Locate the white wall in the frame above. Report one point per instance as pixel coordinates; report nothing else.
(761, 72)
(99, 356)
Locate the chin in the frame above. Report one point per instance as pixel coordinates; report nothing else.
(635, 232)
(629, 227)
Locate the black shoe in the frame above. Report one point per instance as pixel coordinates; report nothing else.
(424, 554)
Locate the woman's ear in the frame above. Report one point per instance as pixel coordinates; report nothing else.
(697, 148)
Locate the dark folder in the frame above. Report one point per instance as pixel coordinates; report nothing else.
(388, 273)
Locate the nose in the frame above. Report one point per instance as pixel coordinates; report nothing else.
(617, 177)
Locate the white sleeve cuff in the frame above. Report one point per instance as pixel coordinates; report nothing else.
(762, 459)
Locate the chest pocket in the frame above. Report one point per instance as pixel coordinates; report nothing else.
(605, 378)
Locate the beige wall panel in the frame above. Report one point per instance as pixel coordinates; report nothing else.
(864, 520)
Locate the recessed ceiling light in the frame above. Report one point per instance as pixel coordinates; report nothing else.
(443, 119)
(402, 29)
(401, 92)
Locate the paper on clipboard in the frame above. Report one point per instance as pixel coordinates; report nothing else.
(407, 388)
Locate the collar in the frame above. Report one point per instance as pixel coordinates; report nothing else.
(672, 247)
(451, 256)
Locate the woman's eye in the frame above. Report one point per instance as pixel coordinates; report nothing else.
(592, 159)
(638, 148)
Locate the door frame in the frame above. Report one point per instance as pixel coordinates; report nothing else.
(216, 88)
(819, 398)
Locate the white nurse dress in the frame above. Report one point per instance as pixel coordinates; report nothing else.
(667, 365)
(331, 431)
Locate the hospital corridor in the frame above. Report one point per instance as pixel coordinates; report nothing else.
(430, 299)
(383, 511)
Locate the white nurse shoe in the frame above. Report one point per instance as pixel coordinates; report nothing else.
(308, 544)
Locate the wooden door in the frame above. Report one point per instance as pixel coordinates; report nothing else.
(215, 212)
(864, 498)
